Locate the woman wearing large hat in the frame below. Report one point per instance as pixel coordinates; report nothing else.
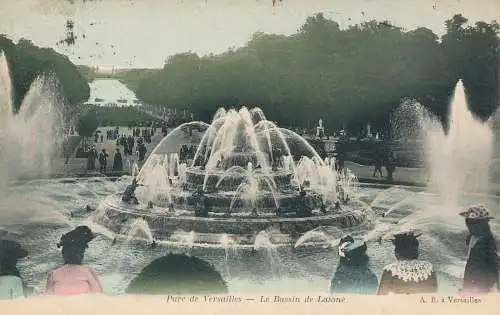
(11, 282)
(353, 274)
(73, 277)
(481, 271)
(408, 275)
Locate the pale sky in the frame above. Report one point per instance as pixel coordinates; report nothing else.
(143, 33)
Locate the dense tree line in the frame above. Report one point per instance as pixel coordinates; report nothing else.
(346, 76)
(123, 116)
(27, 61)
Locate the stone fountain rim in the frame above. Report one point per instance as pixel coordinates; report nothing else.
(113, 202)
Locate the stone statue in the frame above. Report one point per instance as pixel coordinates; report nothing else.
(320, 130)
(129, 193)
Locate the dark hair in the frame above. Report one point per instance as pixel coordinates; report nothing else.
(10, 253)
(8, 267)
(74, 244)
(406, 246)
(73, 254)
(79, 237)
(177, 274)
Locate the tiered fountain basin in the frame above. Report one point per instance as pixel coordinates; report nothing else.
(242, 227)
(214, 180)
(243, 179)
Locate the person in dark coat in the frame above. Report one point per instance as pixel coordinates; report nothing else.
(91, 157)
(353, 274)
(481, 274)
(378, 162)
(103, 161)
(117, 161)
(142, 152)
(408, 275)
(390, 166)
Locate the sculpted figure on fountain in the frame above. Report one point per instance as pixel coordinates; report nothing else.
(201, 207)
(129, 193)
(304, 208)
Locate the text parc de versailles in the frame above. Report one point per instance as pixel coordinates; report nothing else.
(263, 299)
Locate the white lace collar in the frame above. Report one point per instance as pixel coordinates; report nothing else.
(410, 270)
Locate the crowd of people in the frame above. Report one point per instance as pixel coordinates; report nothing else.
(411, 275)
(384, 157)
(183, 274)
(133, 144)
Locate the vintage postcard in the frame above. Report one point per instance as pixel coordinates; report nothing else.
(249, 156)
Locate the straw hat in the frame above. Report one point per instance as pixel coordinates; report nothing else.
(476, 212)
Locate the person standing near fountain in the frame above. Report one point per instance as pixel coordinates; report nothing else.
(390, 166)
(73, 278)
(353, 274)
(481, 274)
(11, 282)
(408, 275)
(378, 161)
(142, 151)
(117, 161)
(91, 157)
(103, 161)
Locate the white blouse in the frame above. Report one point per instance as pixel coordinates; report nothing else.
(11, 287)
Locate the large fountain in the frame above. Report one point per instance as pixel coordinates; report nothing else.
(248, 174)
(245, 176)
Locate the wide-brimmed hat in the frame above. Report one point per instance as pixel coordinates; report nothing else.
(80, 236)
(349, 247)
(476, 212)
(405, 236)
(12, 249)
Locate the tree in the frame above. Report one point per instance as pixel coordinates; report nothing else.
(348, 76)
(87, 124)
(27, 61)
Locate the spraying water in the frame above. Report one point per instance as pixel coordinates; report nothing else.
(27, 143)
(458, 160)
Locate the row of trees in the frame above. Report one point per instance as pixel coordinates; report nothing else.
(346, 76)
(27, 61)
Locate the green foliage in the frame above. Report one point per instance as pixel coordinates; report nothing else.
(87, 72)
(87, 123)
(122, 116)
(346, 76)
(28, 61)
(133, 77)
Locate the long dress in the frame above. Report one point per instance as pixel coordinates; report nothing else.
(481, 270)
(408, 277)
(73, 280)
(354, 279)
(118, 162)
(11, 287)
